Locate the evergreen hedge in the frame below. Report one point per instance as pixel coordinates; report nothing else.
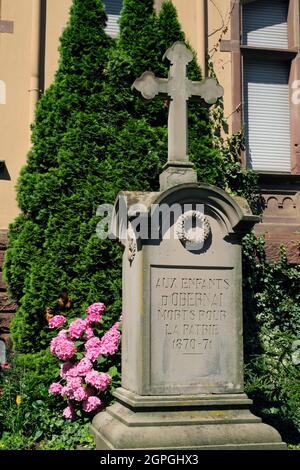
(92, 138)
(58, 188)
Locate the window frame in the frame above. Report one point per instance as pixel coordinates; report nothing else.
(292, 54)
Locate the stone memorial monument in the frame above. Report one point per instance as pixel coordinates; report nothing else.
(182, 345)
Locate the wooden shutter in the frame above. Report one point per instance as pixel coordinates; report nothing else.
(113, 9)
(265, 23)
(267, 115)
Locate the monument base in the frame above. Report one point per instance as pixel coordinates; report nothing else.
(208, 422)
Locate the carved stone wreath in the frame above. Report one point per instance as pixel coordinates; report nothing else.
(131, 243)
(193, 236)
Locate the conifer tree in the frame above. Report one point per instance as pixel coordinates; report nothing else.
(56, 193)
(93, 137)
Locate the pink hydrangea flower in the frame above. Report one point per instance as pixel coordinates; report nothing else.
(99, 381)
(77, 328)
(94, 312)
(93, 354)
(69, 412)
(65, 368)
(91, 404)
(110, 341)
(88, 333)
(92, 343)
(80, 394)
(74, 382)
(84, 366)
(67, 391)
(5, 365)
(55, 388)
(81, 381)
(62, 348)
(63, 334)
(92, 347)
(72, 372)
(57, 321)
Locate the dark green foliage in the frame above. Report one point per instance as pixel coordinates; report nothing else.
(272, 325)
(27, 377)
(37, 421)
(60, 187)
(25, 243)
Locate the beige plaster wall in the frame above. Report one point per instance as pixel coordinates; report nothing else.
(191, 14)
(57, 17)
(218, 27)
(15, 51)
(19, 71)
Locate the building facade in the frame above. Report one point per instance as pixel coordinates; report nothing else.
(254, 46)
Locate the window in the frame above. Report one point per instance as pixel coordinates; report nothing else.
(266, 60)
(113, 9)
(265, 23)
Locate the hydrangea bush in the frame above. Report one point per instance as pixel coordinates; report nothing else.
(81, 349)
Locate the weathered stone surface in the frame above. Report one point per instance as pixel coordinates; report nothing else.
(1, 258)
(3, 286)
(201, 401)
(292, 247)
(192, 328)
(175, 175)
(281, 222)
(5, 320)
(6, 304)
(206, 427)
(3, 239)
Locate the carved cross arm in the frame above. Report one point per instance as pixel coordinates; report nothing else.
(150, 86)
(208, 90)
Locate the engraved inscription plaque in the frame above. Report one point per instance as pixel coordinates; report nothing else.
(193, 327)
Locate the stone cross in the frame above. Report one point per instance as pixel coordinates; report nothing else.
(181, 90)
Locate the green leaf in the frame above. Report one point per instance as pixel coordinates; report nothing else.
(101, 360)
(113, 371)
(79, 355)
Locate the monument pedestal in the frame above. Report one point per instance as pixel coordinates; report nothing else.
(208, 422)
